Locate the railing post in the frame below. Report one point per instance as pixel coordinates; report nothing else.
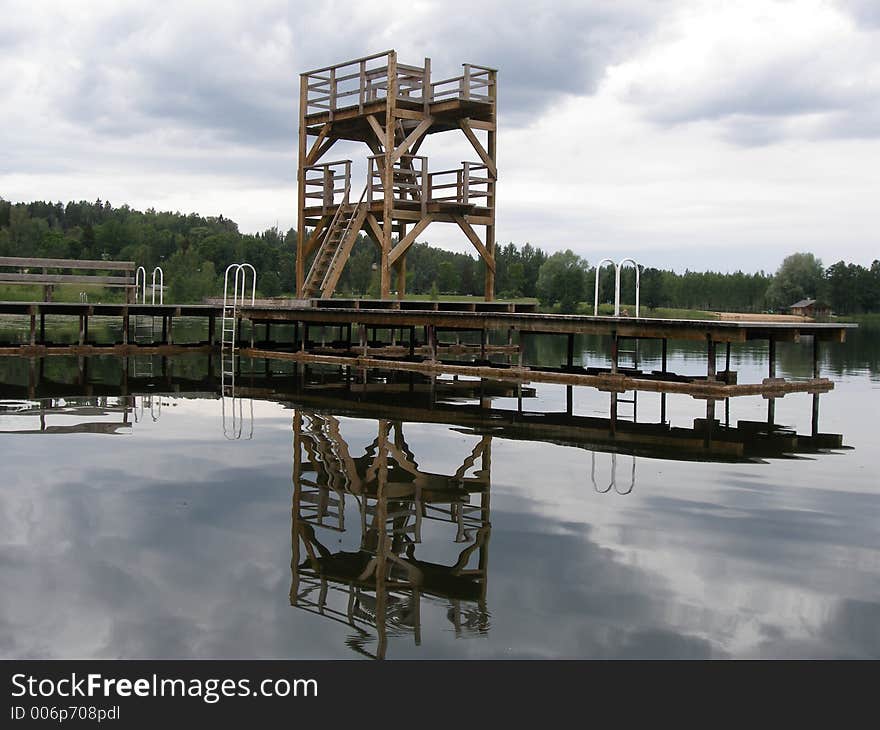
(466, 175)
(362, 82)
(328, 188)
(466, 82)
(425, 185)
(427, 88)
(370, 180)
(347, 181)
(332, 92)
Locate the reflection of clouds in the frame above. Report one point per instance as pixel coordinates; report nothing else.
(175, 543)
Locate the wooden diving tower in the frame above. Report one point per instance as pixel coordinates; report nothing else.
(392, 108)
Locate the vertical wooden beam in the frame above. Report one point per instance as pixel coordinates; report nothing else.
(401, 267)
(388, 173)
(569, 360)
(126, 319)
(211, 328)
(42, 328)
(615, 350)
(815, 419)
(33, 330)
(301, 187)
(491, 150)
(816, 357)
(663, 356)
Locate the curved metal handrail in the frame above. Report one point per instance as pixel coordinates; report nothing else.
(596, 294)
(140, 275)
(618, 267)
(161, 285)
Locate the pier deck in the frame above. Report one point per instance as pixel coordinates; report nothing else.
(412, 343)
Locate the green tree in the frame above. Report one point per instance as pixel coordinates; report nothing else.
(562, 279)
(799, 276)
(190, 279)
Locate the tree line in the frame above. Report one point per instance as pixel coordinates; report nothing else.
(195, 250)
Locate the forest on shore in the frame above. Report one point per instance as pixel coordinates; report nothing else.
(195, 250)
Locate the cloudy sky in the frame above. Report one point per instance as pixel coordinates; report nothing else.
(688, 133)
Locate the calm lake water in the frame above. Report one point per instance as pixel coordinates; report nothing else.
(312, 516)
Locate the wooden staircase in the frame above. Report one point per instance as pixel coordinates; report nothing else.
(336, 243)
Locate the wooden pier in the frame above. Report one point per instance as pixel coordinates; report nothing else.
(409, 336)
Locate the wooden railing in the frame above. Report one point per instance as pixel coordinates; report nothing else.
(474, 84)
(332, 180)
(121, 273)
(409, 179)
(464, 185)
(366, 80)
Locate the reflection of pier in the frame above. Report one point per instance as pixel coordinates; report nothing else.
(379, 587)
(84, 411)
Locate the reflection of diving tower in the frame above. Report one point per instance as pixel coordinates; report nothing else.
(380, 586)
(391, 107)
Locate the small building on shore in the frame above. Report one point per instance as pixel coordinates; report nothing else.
(809, 308)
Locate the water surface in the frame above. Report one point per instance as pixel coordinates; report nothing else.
(143, 515)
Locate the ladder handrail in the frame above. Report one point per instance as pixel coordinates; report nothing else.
(617, 285)
(239, 271)
(161, 285)
(143, 287)
(354, 212)
(617, 269)
(596, 294)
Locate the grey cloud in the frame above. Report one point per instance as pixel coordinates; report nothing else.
(208, 73)
(865, 12)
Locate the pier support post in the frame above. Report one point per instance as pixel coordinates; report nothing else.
(42, 328)
(570, 352)
(82, 329)
(483, 336)
(362, 331)
(164, 330)
(771, 359)
(33, 334)
(710, 356)
(615, 349)
(431, 332)
(569, 399)
(125, 324)
(815, 356)
(211, 327)
(727, 362)
(663, 407)
(814, 430)
(663, 355)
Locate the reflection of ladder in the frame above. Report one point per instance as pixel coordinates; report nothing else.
(228, 333)
(336, 244)
(144, 334)
(231, 403)
(613, 482)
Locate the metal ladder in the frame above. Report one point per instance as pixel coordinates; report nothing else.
(144, 324)
(234, 426)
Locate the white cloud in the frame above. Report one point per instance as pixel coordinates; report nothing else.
(627, 127)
